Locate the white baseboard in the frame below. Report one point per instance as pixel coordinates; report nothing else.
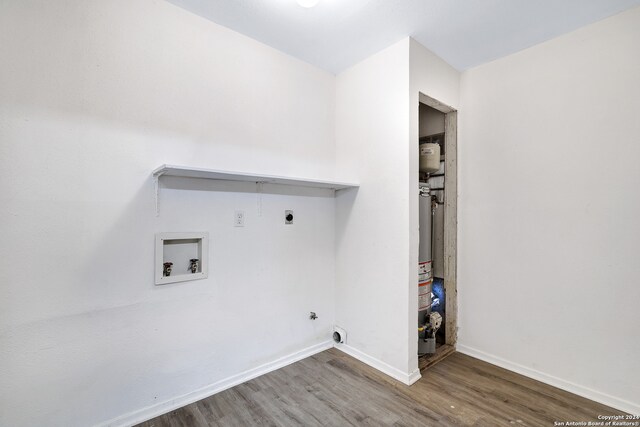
(153, 411)
(594, 395)
(381, 366)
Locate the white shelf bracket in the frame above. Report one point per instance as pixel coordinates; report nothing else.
(156, 188)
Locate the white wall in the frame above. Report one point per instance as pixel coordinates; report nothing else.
(377, 225)
(93, 96)
(549, 208)
(372, 116)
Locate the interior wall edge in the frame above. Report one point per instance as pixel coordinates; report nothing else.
(605, 399)
(371, 123)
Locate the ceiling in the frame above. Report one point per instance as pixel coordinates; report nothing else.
(336, 34)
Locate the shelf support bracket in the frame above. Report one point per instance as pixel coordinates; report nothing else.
(156, 189)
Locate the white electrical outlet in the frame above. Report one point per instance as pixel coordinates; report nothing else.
(238, 220)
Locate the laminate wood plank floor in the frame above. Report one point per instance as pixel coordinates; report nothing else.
(443, 351)
(333, 389)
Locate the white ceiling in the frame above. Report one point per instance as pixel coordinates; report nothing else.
(338, 33)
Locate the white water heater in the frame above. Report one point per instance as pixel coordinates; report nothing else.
(429, 157)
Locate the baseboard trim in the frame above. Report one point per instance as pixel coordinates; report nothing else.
(381, 366)
(605, 399)
(153, 411)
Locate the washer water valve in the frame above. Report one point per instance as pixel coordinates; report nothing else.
(166, 271)
(193, 265)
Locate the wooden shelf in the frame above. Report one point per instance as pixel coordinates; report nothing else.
(229, 176)
(220, 175)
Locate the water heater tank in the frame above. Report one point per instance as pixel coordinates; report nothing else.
(429, 157)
